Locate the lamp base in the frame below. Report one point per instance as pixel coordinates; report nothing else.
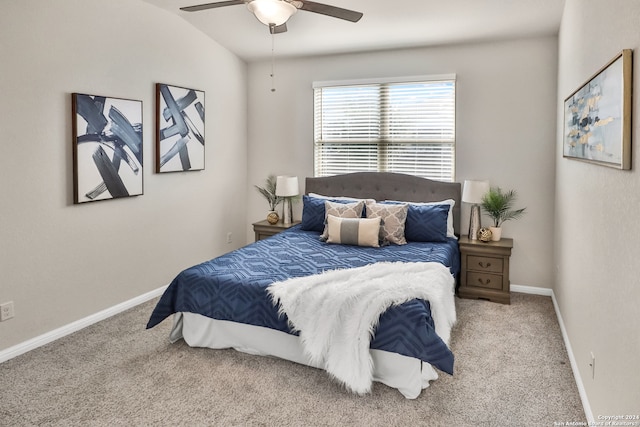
(474, 222)
(287, 211)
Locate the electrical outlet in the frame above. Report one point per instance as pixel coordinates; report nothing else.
(593, 366)
(6, 311)
(229, 237)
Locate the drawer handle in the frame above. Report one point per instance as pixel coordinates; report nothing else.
(484, 265)
(484, 283)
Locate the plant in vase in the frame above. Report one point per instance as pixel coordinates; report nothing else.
(499, 206)
(269, 193)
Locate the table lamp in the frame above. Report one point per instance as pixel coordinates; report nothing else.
(472, 192)
(287, 187)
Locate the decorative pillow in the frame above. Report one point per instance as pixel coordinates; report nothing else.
(353, 231)
(449, 202)
(344, 199)
(313, 212)
(393, 219)
(341, 210)
(427, 223)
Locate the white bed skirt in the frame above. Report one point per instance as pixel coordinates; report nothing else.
(406, 374)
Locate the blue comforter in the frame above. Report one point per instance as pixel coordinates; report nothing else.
(233, 287)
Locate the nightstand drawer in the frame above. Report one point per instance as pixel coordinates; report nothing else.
(484, 280)
(483, 263)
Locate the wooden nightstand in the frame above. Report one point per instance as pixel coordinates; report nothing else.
(484, 271)
(263, 229)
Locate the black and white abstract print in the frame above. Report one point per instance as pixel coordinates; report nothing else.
(107, 147)
(180, 133)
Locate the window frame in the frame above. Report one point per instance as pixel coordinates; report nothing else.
(381, 144)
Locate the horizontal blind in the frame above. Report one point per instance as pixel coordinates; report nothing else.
(406, 127)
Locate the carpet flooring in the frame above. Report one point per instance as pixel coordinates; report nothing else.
(512, 369)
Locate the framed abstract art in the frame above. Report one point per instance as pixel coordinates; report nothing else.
(107, 147)
(180, 136)
(597, 116)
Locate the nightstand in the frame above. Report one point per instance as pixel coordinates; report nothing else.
(484, 271)
(263, 229)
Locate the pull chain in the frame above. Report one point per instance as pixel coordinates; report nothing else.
(273, 84)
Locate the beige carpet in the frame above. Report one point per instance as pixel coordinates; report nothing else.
(511, 370)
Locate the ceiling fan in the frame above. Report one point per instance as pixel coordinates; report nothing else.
(275, 13)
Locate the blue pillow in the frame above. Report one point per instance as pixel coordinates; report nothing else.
(426, 223)
(313, 212)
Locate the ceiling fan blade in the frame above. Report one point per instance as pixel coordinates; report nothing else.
(211, 5)
(277, 29)
(336, 12)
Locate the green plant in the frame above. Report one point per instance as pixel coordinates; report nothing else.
(269, 192)
(499, 205)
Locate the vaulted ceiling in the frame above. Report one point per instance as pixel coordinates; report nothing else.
(387, 24)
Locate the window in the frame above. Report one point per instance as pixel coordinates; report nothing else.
(403, 126)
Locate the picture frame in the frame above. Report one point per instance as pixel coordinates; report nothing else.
(107, 147)
(597, 116)
(180, 130)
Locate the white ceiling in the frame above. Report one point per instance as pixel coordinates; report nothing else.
(386, 24)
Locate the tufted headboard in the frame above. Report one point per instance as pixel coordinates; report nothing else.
(388, 186)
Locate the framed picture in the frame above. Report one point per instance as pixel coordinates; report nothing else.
(107, 147)
(597, 116)
(180, 130)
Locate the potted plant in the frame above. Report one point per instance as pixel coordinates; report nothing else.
(269, 193)
(499, 206)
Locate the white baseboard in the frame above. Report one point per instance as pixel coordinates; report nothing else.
(574, 365)
(531, 290)
(48, 337)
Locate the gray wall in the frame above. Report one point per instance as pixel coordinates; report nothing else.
(506, 94)
(61, 262)
(597, 227)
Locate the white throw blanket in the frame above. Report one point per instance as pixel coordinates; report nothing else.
(336, 312)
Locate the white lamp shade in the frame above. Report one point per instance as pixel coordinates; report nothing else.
(287, 186)
(272, 12)
(473, 191)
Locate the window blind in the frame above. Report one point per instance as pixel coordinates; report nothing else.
(406, 127)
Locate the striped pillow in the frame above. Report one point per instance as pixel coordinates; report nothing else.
(353, 231)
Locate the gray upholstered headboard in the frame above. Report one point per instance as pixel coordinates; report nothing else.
(388, 186)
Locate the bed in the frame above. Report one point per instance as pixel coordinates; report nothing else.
(232, 301)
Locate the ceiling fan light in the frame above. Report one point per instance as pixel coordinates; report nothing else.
(272, 12)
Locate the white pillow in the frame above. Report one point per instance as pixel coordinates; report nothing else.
(320, 196)
(450, 230)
